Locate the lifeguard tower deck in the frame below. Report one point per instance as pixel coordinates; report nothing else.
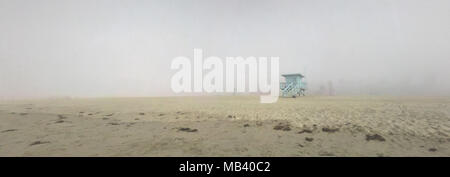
(294, 85)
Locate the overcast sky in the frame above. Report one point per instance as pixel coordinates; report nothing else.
(89, 48)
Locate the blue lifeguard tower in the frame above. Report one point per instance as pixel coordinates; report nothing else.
(294, 85)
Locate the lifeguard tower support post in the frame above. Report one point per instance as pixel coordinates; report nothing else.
(294, 85)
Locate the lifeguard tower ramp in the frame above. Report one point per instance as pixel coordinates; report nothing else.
(294, 85)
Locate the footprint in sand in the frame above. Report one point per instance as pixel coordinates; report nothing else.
(330, 130)
(305, 131)
(39, 142)
(432, 149)
(324, 153)
(283, 126)
(59, 121)
(114, 123)
(375, 137)
(9, 130)
(187, 129)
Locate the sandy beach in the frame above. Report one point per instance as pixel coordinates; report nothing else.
(226, 126)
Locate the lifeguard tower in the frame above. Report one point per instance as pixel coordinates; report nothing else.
(294, 85)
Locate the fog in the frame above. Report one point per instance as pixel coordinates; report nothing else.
(88, 48)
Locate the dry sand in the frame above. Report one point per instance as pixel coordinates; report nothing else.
(226, 126)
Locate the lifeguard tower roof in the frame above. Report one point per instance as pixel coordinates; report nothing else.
(295, 74)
